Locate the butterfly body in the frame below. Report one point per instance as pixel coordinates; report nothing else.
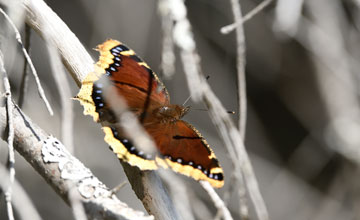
(179, 145)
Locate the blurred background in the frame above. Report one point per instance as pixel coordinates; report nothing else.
(302, 70)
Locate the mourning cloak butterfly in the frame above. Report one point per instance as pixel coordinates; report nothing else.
(180, 146)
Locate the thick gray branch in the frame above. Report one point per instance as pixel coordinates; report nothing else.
(29, 141)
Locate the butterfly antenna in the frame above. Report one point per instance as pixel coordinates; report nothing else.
(201, 109)
(187, 100)
(207, 78)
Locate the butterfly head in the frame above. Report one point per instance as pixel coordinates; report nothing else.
(171, 112)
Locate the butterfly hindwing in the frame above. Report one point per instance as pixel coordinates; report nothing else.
(186, 151)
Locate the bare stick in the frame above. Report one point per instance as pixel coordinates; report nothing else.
(236, 148)
(236, 182)
(151, 191)
(10, 139)
(168, 55)
(179, 194)
(200, 207)
(67, 117)
(25, 75)
(184, 40)
(33, 70)
(241, 60)
(118, 187)
(20, 199)
(242, 99)
(287, 16)
(229, 28)
(220, 205)
(75, 203)
(231, 136)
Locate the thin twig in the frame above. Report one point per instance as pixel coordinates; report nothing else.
(242, 99)
(236, 182)
(67, 116)
(22, 203)
(200, 90)
(184, 40)
(229, 28)
(117, 188)
(32, 67)
(227, 194)
(168, 55)
(200, 207)
(25, 74)
(179, 194)
(75, 203)
(236, 148)
(10, 139)
(287, 16)
(241, 61)
(217, 200)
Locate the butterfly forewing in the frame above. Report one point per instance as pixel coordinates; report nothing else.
(136, 83)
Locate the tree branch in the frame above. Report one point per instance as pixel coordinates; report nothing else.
(29, 142)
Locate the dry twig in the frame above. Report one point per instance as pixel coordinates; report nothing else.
(118, 187)
(67, 117)
(229, 28)
(241, 61)
(287, 16)
(179, 194)
(200, 90)
(219, 204)
(10, 139)
(25, 74)
(33, 70)
(242, 99)
(236, 148)
(20, 199)
(168, 55)
(75, 203)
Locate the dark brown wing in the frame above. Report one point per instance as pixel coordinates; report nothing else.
(186, 151)
(120, 67)
(135, 81)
